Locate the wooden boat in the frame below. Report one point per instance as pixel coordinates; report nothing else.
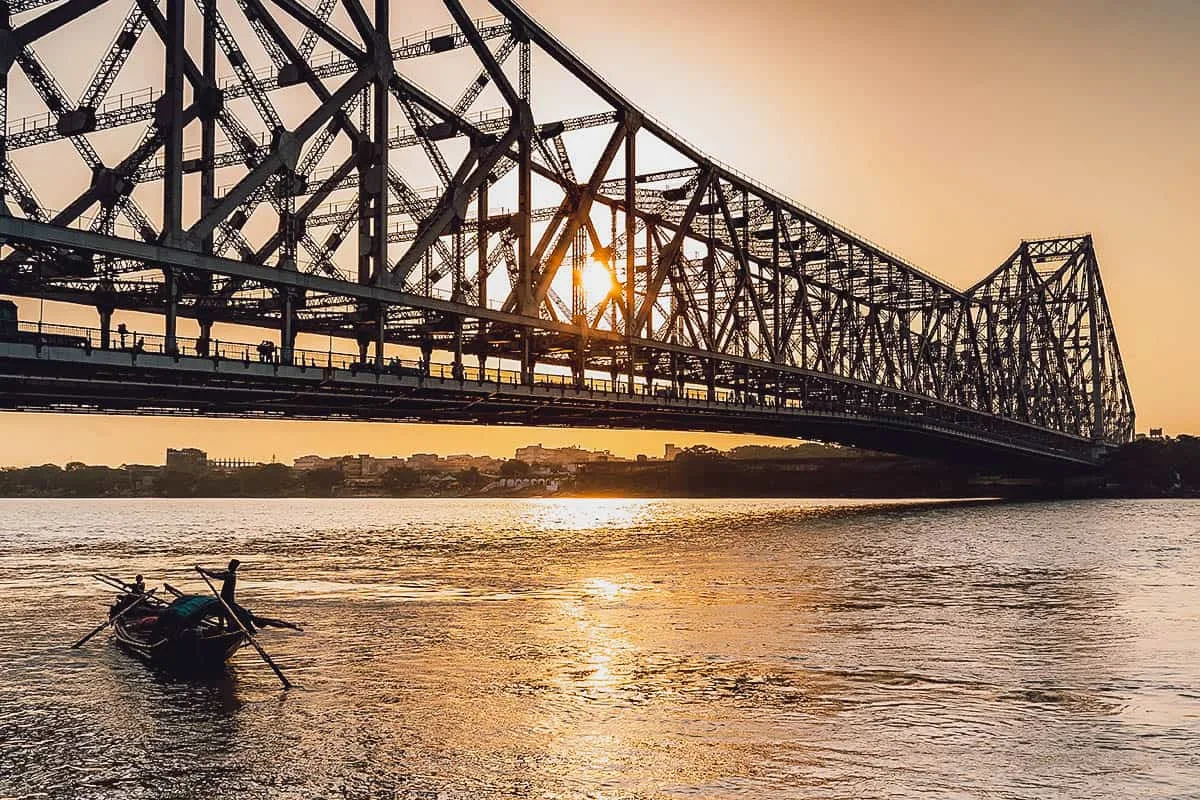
(183, 636)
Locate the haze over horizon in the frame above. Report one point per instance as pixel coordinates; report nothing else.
(945, 132)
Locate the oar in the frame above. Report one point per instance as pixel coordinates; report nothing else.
(278, 623)
(116, 617)
(233, 616)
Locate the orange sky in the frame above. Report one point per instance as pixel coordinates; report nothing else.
(945, 131)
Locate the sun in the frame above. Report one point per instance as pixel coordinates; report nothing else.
(597, 281)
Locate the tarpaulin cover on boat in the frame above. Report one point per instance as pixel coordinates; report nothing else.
(190, 608)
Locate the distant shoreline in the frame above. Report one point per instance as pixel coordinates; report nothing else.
(1163, 468)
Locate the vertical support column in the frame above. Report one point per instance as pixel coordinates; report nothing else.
(577, 363)
(106, 312)
(287, 325)
(1094, 335)
(524, 251)
(778, 306)
(380, 334)
(631, 129)
(171, 326)
(578, 260)
(528, 358)
(801, 297)
(365, 158)
(525, 206)
(456, 369)
(379, 221)
(482, 245)
(743, 244)
(208, 127)
(481, 277)
(649, 268)
(170, 122)
(710, 291)
(524, 226)
(204, 343)
(1023, 365)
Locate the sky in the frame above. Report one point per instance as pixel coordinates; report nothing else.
(945, 131)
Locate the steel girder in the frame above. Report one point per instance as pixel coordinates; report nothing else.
(707, 278)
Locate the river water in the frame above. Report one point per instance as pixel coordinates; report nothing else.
(618, 649)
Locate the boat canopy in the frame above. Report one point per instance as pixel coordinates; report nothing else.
(189, 609)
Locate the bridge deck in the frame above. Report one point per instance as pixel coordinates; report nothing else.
(330, 386)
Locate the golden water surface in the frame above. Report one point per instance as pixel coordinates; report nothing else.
(617, 649)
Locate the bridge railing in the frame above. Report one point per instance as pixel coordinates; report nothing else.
(267, 352)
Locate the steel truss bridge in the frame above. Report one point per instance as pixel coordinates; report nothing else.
(305, 170)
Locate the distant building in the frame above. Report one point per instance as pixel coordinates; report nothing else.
(377, 466)
(670, 451)
(366, 466)
(424, 460)
(562, 456)
(306, 463)
(355, 466)
(1156, 433)
(189, 459)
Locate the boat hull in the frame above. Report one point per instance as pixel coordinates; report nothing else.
(198, 650)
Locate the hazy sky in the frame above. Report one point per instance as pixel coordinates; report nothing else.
(945, 131)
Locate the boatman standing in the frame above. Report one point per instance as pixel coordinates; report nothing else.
(228, 579)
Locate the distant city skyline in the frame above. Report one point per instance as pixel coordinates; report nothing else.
(104, 440)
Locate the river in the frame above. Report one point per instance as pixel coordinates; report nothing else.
(617, 649)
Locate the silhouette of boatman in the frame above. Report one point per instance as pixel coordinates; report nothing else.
(228, 579)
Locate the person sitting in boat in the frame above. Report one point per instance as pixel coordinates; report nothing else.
(228, 579)
(132, 592)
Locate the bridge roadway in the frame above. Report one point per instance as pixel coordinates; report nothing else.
(63, 369)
